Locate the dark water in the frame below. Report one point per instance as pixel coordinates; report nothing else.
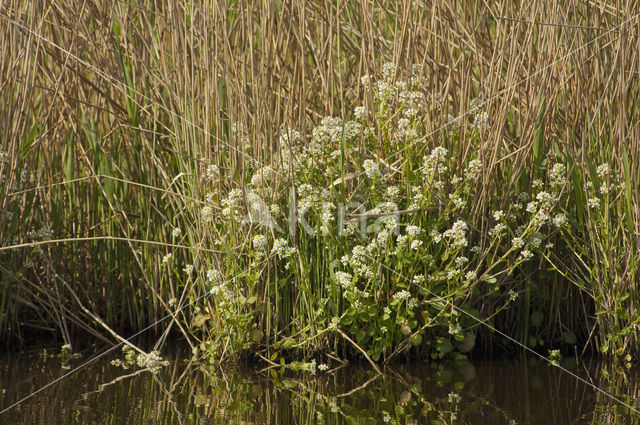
(520, 391)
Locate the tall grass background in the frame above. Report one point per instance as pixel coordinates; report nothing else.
(114, 167)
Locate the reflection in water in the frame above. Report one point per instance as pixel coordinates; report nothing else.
(496, 392)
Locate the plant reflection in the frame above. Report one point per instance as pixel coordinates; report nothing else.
(496, 392)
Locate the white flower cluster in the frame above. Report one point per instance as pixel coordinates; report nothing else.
(603, 171)
(388, 71)
(517, 242)
(405, 131)
(361, 113)
(434, 163)
(560, 220)
(214, 276)
(282, 249)
(45, 233)
(401, 296)
(176, 232)
(393, 192)
(260, 242)
(457, 234)
(481, 121)
(497, 230)
(232, 202)
(358, 262)
(371, 168)
(151, 361)
(525, 255)
(307, 197)
(167, 258)
(207, 214)
(557, 176)
(261, 176)
(344, 279)
(474, 169)
(327, 216)
(213, 173)
(413, 102)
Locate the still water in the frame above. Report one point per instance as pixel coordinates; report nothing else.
(522, 391)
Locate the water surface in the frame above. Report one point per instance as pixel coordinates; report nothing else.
(522, 391)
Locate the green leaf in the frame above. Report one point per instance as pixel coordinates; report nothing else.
(569, 337)
(536, 318)
(444, 346)
(416, 340)
(200, 320)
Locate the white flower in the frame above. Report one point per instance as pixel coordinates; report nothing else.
(214, 276)
(388, 70)
(176, 232)
(526, 255)
(517, 242)
(434, 162)
(322, 367)
(213, 173)
(392, 192)
(474, 168)
(344, 279)
(593, 202)
(259, 242)
(371, 168)
(461, 261)
(167, 258)
(401, 296)
(335, 321)
(545, 199)
(457, 234)
(454, 398)
(513, 295)
(281, 249)
(172, 302)
(560, 220)
(365, 80)
(537, 184)
(413, 231)
(207, 214)
(188, 269)
(557, 176)
(498, 215)
(536, 240)
(481, 121)
(361, 113)
(603, 170)
(457, 202)
(497, 230)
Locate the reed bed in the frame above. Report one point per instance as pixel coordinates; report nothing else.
(313, 179)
